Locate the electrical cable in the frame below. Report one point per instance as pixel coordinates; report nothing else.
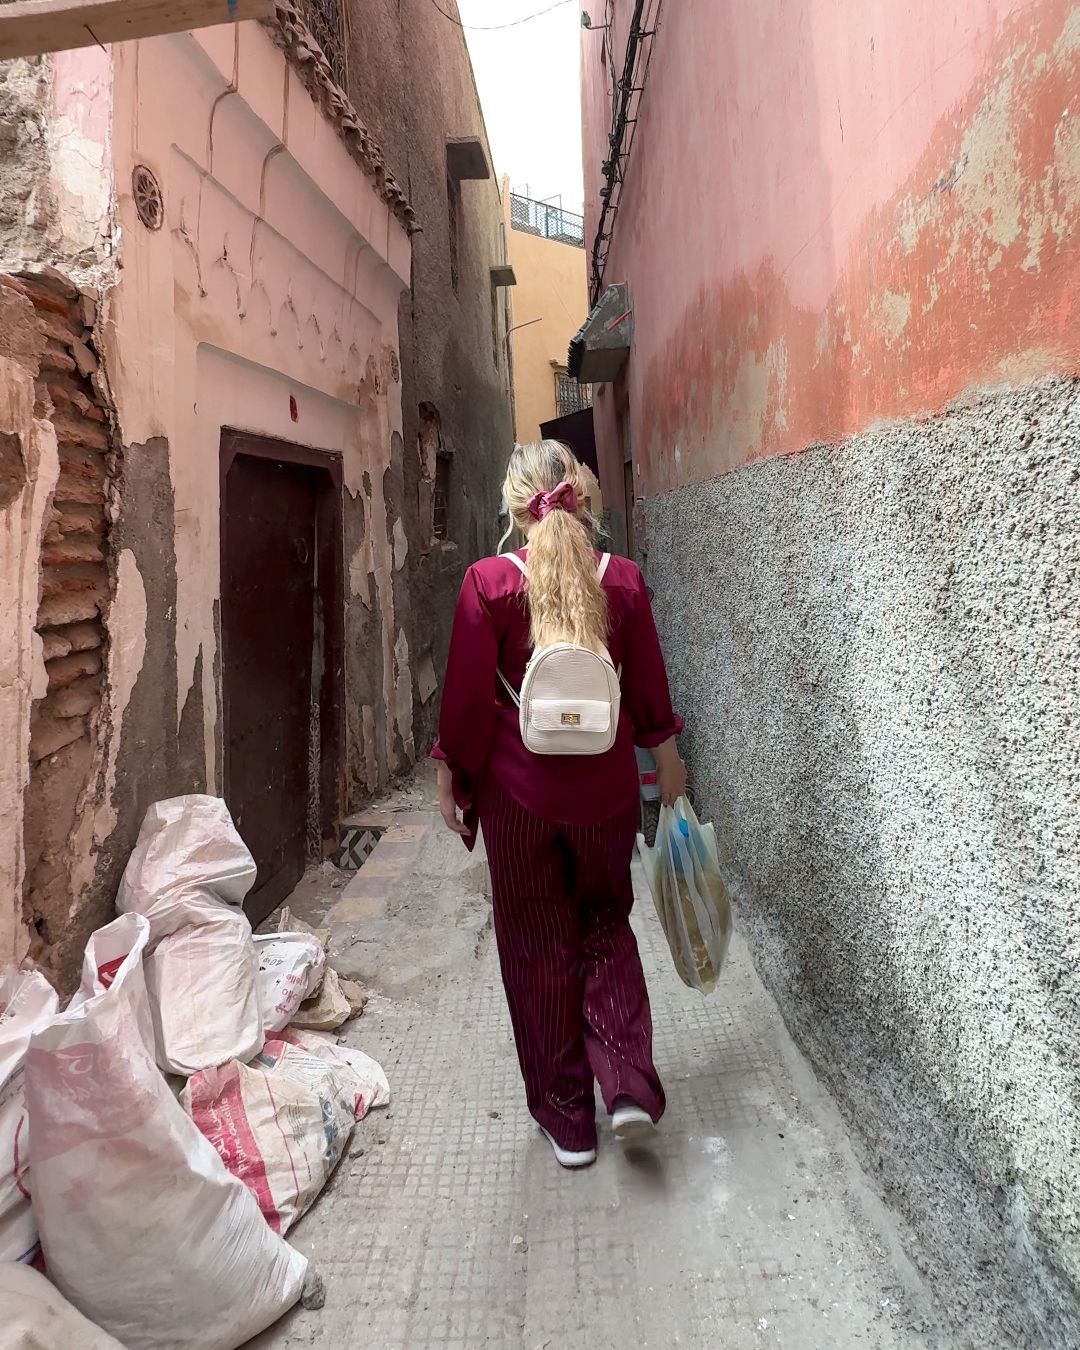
(627, 92)
(498, 27)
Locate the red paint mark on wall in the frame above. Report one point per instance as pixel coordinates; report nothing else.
(965, 276)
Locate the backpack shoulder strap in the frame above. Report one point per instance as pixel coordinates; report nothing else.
(602, 567)
(515, 697)
(513, 557)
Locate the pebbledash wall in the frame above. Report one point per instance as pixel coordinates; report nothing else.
(851, 238)
(263, 297)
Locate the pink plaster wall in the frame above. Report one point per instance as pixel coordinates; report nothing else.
(273, 286)
(836, 212)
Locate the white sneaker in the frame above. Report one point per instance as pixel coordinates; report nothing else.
(632, 1124)
(566, 1158)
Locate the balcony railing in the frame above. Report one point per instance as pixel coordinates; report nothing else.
(550, 222)
(570, 397)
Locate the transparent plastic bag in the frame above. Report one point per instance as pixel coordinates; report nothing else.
(683, 873)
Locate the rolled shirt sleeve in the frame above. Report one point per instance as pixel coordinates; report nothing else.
(467, 714)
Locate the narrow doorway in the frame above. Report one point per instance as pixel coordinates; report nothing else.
(282, 654)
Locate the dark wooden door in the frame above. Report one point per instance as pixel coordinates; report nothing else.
(268, 599)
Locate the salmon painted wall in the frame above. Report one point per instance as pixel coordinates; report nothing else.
(836, 212)
(552, 289)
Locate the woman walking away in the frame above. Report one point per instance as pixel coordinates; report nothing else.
(555, 787)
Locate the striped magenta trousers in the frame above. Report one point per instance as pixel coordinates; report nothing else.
(562, 897)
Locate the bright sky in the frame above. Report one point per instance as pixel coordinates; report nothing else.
(529, 83)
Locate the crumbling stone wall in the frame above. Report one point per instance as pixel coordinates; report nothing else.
(116, 659)
(74, 589)
(55, 187)
(26, 203)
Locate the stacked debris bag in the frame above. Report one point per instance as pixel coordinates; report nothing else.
(291, 970)
(281, 1123)
(188, 876)
(34, 1315)
(27, 1001)
(295, 957)
(160, 1219)
(142, 1226)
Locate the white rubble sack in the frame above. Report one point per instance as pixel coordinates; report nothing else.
(188, 875)
(142, 1227)
(291, 967)
(365, 1078)
(281, 1123)
(34, 1315)
(27, 1001)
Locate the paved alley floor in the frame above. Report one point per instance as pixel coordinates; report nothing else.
(450, 1225)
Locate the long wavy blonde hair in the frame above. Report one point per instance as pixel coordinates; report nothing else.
(566, 602)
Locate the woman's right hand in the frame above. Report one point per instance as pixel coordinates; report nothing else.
(670, 772)
(447, 806)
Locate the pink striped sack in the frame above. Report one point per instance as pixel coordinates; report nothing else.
(280, 1124)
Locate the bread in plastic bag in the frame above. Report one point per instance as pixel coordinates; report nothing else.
(691, 899)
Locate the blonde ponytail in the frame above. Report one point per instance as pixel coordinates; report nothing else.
(566, 602)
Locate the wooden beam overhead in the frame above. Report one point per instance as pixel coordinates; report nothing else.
(31, 27)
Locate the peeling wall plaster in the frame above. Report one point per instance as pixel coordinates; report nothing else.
(894, 213)
(127, 648)
(268, 302)
(854, 420)
(286, 270)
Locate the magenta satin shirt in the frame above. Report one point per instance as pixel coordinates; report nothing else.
(478, 725)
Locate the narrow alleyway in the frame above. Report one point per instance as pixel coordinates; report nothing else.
(449, 1224)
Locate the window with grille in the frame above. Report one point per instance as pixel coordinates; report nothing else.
(326, 19)
(440, 514)
(570, 397)
(453, 209)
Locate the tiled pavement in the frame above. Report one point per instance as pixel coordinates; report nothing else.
(449, 1224)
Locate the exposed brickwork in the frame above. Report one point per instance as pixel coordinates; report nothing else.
(74, 576)
(75, 588)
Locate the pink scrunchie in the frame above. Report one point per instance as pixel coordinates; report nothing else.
(561, 498)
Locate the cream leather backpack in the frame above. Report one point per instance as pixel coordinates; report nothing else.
(570, 696)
